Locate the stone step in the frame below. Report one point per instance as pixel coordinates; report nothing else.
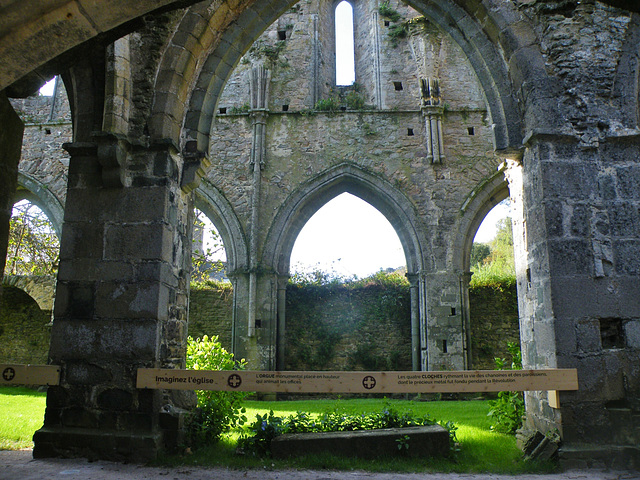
(425, 441)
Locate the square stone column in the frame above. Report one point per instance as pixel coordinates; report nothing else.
(578, 293)
(121, 304)
(445, 337)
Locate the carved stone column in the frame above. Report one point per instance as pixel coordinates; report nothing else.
(259, 78)
(432, 112)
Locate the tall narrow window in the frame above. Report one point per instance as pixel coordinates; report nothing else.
(345, 53)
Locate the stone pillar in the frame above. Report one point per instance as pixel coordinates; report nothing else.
(255, 336)
(414, 290)
(121, 304)
(10, 147)
(281, 324)
(465, 278)
(259, 87)
(580, 290)
(445, 339)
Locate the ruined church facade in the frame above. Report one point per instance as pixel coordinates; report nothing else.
(471, 102)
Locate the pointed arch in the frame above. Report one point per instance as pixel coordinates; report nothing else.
(210, 201)
(475, 208)
(37, 193)
(500, 45)
(346, 177)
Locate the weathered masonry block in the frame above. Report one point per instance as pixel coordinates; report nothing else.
(424, 442)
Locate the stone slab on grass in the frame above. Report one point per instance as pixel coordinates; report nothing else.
(425, 441)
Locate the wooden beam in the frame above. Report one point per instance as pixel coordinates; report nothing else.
(14, 374)
(359, 382)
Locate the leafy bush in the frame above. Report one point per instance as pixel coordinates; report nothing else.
(331, 104)
(217, 412)
(508, 409)
(267, 427)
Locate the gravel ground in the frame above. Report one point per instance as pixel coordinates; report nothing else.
(20, 465)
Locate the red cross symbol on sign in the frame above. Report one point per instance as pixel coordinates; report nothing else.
(368, 382)
(234, 380)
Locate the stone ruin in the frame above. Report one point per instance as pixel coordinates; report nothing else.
(233, 107)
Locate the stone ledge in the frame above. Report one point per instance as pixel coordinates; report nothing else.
(96, 444)
(425, 441)
(600, 456)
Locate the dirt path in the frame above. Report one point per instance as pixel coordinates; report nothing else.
(21, 466)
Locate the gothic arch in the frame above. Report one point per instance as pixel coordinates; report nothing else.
(477, 205)
(37, 193)
(501, 49)
(626, 89)
(473, 211)
(212, 203)
(346, 177)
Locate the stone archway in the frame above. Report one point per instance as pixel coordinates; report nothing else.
(397, 208)
(38, 194)
(473, 211)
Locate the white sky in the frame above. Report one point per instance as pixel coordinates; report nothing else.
(47, 88)
(345, 66)
(347, 236)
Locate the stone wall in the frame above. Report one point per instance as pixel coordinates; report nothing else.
(494, 323)
(210, 313)
(47, 122)
(361, 329)
(24, 328)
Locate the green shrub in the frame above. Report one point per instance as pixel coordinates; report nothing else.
(508, 409)
(331, 104)
(267, 427)
(387, 11)
(217, 412)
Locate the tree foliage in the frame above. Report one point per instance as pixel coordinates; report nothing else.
(33, 244)
(208, 250)
(479, 251)
(498, 267)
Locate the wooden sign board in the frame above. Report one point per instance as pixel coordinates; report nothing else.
(13, 374)
(360, 382)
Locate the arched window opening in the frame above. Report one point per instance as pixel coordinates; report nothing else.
(345, 52)
(336, 319)
(492, 291)
(48, 88)
(208, 254)
(34, 247)
(347, 238)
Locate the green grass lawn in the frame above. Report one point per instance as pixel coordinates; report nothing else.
(480, 449)
(22, 412)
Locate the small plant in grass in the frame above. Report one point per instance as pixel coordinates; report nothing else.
(403, 443)
(508, 409)
(217, 412)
